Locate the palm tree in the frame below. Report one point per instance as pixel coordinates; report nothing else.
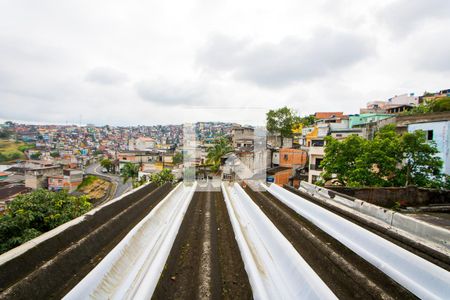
(128, 171)
(215, 153)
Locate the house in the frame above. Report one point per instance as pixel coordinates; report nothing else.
(137, 157)
(289, 157)
(313, 142)
(243, 136)
(374, 107)
(404, 99)
(393, 105)
(36, 172)
(294, 159)
(398, 109)
(69, 181)
(360, 120)
(330, 117)
(279, 175)
(142, 144)
(439, 132)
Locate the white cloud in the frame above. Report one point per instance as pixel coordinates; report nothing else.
(149, 62)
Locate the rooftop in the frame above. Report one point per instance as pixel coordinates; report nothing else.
(328, 115)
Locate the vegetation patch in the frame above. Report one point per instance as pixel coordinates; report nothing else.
(390, 159)
(94, 188)
(32, 214)
(11, 150)
(88, 180)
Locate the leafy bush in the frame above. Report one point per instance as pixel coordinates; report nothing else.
(25, 147)
(32, 214)
(107, 164)
(54, 154)
(9, 156)
(437, 105)
(163, 177)
(36, 155)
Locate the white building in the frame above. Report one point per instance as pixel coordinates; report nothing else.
(142, 144)
(439, 132)
(405, 99)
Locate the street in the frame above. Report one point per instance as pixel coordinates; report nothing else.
(121, 188)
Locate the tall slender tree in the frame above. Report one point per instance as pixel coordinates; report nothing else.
(129, 171)
(221, 148)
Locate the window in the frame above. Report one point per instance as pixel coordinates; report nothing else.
(429, 135)
(318, 162)
(317, 143)
(338, 135)
(286, 157)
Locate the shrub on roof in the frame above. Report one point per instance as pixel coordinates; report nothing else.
(30, 215)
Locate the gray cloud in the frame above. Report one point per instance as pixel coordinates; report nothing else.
(404, 16)
(106, 76)
(432, 54)
(171, 93)
(46, 59)
(291, 60)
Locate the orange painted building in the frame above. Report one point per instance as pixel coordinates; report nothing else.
(289, 160)
(291, 157)
(279, 175)
(328, 115)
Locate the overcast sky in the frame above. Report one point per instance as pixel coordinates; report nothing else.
(168, 62)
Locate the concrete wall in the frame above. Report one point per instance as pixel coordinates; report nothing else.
(387, 197)
(428, 238)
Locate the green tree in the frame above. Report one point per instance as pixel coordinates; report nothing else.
(381, 158)
(387, 160)
(282, 121)
(32, 214)
(421, 166)
(98, 152)
(178, 158)
(440, 105)
(25, 147)
(214, 156)
(107, 164)
(5, 134)
(54, 154)
(308, 120)
(129, 170)
(342, 158)
(36, 155)
(162, 177)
